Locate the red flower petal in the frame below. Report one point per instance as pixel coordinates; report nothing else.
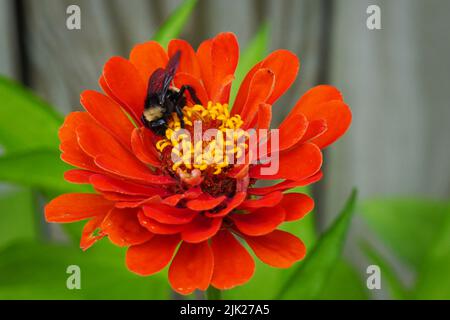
(109, 115)
(205, 61)
(285, 185)
(244, 89)
(159, 228)
(205, 203)
(325, 102)
(147, 57)
(112, 157)
(173, 199)
(259, 222)
(188, 60)
(224, 55)
(191, 268)
(315, 129)
(150, 257)
(296, 205)
(233, 265)
(232, 204)
(297, 163)
(264, 116)
(169, 215)
(284, 64)
(201, 229)
(78, 176)
(224, 60)
(138, 204)
(316, 96)
(71, 207)
(71, 150)
(192, 193)
(338, 117)
(291, 131)
(123, 228)
(108, 184)
(143, 148)
(113, 196)
(113, 165)
(268, 200)
(278, 249)
(126, 84)
(260, 90)
(222, 90)
(218, 60)
(102, 83)
(88, 236)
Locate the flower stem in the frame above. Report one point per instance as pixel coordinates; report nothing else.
(213, 294)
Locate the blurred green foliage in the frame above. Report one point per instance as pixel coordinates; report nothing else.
(394, 219)
(175, 23)
(38, 271)
(312, 274)
(17, 219)
(416, 231)
(26, 122)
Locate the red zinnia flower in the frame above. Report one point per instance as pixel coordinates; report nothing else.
(200, 214)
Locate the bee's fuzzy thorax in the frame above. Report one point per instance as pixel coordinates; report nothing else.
(153, 113)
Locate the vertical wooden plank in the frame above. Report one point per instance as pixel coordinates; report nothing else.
(8, 44)
(232, 15)
(396, 82)
(396, 86)
(65, 62)
(295, 25)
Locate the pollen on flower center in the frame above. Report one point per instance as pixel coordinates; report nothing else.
(211, 140)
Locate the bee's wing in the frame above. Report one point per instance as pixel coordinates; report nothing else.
(171, 69)
(160, 81)
(155, 94)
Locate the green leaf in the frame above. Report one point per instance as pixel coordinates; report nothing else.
(17, 216)
(38, 271)
(434, 277)
(344, 283)
(254, 53)
(408, 226)
(396, 288)
(174, 24)
(41, 169)
(26, 122)
(309, 279)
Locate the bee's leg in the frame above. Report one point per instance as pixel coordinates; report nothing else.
(191, 92)
(180, 115)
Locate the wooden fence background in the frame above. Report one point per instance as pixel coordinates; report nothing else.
(396, 80)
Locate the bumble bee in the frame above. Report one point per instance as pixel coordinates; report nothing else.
(163, 99)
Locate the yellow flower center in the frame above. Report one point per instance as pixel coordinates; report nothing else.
(196, 146)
